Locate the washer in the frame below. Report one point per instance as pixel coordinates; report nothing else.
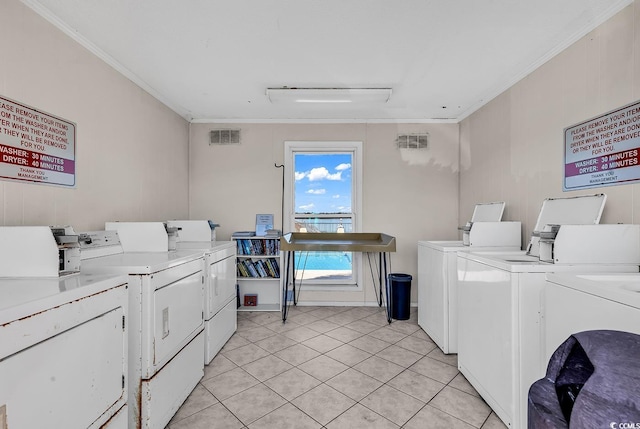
(500, 338)
(63, 338)
(580, 302)
(166, 305)
(220, 304)
(438, 276)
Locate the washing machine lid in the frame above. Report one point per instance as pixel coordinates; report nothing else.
(488, 212)
(581, 210)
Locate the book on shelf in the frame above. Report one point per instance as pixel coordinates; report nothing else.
(269, 247)
(241, 234)
(260, 268)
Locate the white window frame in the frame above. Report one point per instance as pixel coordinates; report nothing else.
(355, 147)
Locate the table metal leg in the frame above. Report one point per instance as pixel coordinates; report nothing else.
(387, 286)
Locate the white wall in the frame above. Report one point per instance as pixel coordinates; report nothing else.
(410, 195)
(512, 149)
(131, 150)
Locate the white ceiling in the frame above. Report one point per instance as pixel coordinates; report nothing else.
(211, 60)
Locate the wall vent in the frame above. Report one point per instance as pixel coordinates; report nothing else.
(224, 136)
(412, 141)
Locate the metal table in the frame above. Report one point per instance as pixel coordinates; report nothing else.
(363, 242)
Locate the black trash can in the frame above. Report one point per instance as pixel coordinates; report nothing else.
(400, 295)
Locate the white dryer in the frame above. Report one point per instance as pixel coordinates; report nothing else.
(220, 305)
(500, 295)
(166, 340)
(581, 302)
(438, 275)
(63, 337)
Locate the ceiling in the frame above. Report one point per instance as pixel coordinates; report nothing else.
(212, 60)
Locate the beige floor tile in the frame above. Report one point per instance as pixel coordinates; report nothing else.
(417, 345)
(344, 334)
(285, 417)
(256, 334)
(323, 403)
(435, 369)
(245, 354)
(275, 343)
(451, 359)
(197, 401)
(301, 334)
(230, 383)
(406, 327)
(354, 384)
(279, 327)
(322, 326)
(333, 367)
(393, 404)
(493, 422)
(348, 355)
(292, 383)
(388, 334)
(461, 383)
(301, 318)
(217, 366)
(322, 343)
(297, 354)
(359, 417)
(234, 342)
(370, 344)
(432, 418)
(323, 367)
(398, 355)
(267, 367)
(254, 403)
(362, 326)
(379, 368)
(416, 385)
(205, 419)
(461, 405)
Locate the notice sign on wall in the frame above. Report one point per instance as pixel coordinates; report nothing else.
(603, 151)
(36, 146)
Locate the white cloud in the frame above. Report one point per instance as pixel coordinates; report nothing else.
(336, 196)
(306, 207)
(343, 167)
(299, 175)
(317, 191)
(321, 173)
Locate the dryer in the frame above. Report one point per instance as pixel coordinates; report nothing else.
(438, 275)
(166, 295)
(220, 305)
(63, 335)
(501, 344)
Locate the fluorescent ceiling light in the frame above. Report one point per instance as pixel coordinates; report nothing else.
(328, 95)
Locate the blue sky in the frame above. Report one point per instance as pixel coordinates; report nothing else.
(323, 183)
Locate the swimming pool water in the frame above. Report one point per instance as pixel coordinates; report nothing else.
(323, 261)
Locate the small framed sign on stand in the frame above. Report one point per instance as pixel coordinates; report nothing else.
(264, 222)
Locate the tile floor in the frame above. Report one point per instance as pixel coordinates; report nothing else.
(334, 368)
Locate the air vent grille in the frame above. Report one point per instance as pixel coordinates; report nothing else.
(224, 136)
(412, 141)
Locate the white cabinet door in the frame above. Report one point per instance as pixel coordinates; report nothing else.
(222, 281)
(69, 380)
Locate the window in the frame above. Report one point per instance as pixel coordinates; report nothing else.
(323, 194)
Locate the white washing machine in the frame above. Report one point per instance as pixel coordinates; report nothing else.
(438, 275)
(63, 338)
(220, 305)
(500, 337)
(581, 302)
(166, 305)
